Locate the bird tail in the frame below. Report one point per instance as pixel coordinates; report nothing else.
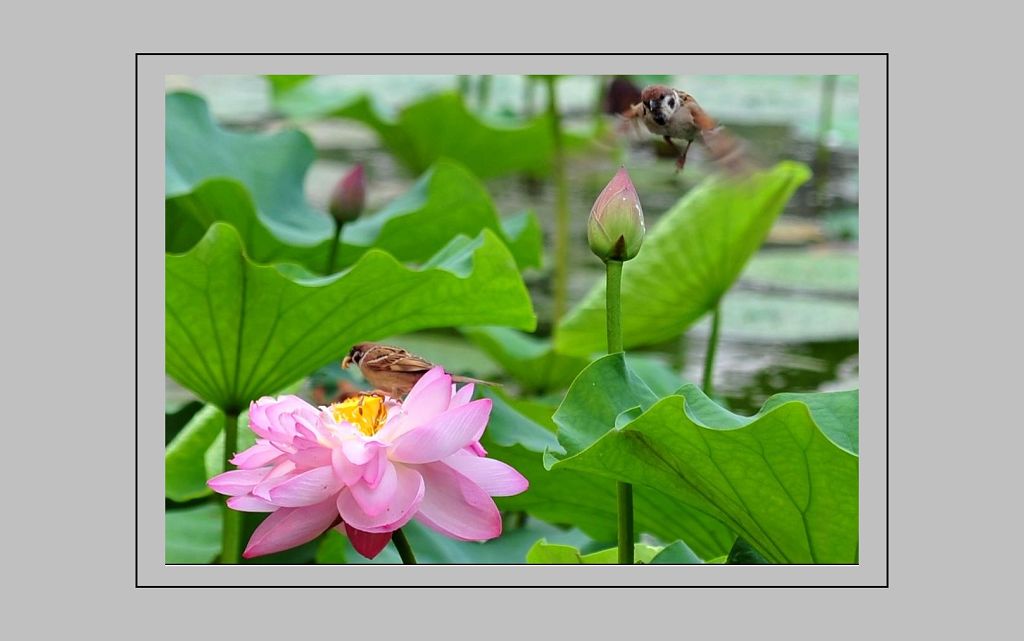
(728, 152)
(467, 379)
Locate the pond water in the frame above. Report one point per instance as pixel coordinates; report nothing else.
(790, 323)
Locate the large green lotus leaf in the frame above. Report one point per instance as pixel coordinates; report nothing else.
(688, 261)
(213, 458)
(836, 414)
(192, 535)
(197, 453)
(448, 200)
(676, 553)
(236, 330)
(584, 500)
(442, 126)
(661, 378)
(778, 479)
(189, 215)
(436, 126)
(743, 554)
(524, 238)
(561, 554)
(271, 166)
(431, 547)
(185, 472)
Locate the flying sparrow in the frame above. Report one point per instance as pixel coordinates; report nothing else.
(672, 113)
(393, 370)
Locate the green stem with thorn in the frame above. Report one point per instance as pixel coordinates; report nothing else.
(709, 357)
(561, 276)
(404, 549)
(613, 306)
(231, 530)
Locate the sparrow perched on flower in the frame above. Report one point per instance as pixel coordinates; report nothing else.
(672, 113)
(393, 370)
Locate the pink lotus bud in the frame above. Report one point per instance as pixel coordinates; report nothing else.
(616, 226)
(349, 195)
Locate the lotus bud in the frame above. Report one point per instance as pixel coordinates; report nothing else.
(615, 230)
(349, 195)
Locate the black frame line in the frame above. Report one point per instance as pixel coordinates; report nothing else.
(547, 587)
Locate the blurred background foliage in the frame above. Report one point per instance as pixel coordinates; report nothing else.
(789, 324)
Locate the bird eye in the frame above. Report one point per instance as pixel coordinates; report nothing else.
(671, 103)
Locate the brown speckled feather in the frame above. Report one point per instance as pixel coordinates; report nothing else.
(393, 370)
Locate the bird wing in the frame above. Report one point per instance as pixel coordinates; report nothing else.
(398, 360)
(700, 117)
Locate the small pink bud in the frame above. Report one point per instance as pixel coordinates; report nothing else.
(615, 230)
(349, 195)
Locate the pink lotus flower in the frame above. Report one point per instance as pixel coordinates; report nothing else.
(374, 463)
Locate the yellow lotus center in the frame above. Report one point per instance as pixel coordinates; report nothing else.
(367, 412)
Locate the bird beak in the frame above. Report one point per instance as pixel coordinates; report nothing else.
(345, 362)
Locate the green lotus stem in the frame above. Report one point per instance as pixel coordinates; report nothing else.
(404, 549)
(678, 354)
(332, 255)
(520, 520)
(822, 153)
(561, 207)
(709, 357)
(529, 89)
(483, 92)
(231, 527)
(625, 491)
(613, 305)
